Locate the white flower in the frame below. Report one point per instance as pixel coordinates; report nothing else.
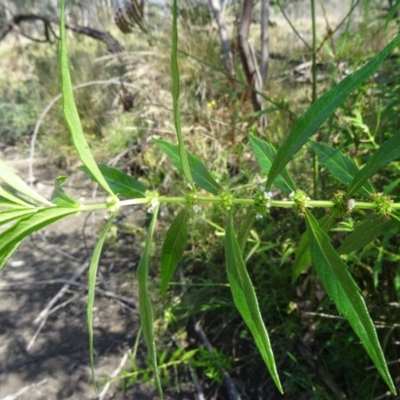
(268, 195)
(262, 188)
(153, 204)
(196, 208)
(258, 216)
(351, 204)
(268, 205)
(291, 195)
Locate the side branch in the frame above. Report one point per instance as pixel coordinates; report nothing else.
(113, 46)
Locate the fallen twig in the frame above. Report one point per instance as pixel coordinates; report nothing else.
(56, 281)
(114, 375)
(43, 322)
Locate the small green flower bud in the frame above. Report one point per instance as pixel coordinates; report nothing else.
(191, 200)
(262, 202)
(340, 204)
(226, 200)
(300, 199)
(112, 204)
(383, 205)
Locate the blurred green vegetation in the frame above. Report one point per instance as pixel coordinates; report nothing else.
(318, 355)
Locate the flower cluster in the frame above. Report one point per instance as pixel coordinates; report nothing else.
(342, 205)
(383, 205)
(226, 200)
(112, 204)
(262, 202)
(339, 201)
(191, 199)
(300, 199)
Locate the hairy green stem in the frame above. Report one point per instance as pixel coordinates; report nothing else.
(359, 205)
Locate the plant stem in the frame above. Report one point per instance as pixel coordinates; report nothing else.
(314, 90)
(360, 205)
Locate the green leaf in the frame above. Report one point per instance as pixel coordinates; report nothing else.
(342, 289)
(245, 299)
(71, 113)
(340, 166)
(145, 307)
(94, 262)
(175, 95)
(14, 181)
(364, 233)
(13, 200)
(391, 186)
(244, 230)
(395, 217)
(188, 355)
(201, 175)
(120, 183)
(9, 215)
(265, 154)
(311, 120)
(60, 197)
(391, 15)
(12, 237)
(173, 248)
(303, 256)
(389, 151)
(396, 282)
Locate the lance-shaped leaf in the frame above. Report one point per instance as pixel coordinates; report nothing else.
(10, 215)
(389, 151)
(244, 230)
(311, 120)
(60, 197)
(145, 307)
(173, 247)
(14, 181)
(12, 200)
(12, 237)
(265, 154)
(245, 299)
(175, 95)
(364, 233)
(395, 217)
(303, 256)
(120, 183)
(94, 262)
(340, 166)
(71, 113)
(200, 173)
(342, 289)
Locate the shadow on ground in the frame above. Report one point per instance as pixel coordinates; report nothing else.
(48, 358)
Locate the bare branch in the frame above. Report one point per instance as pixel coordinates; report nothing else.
(264, 41)
(113, 46)
(223, 34)
(248, 59)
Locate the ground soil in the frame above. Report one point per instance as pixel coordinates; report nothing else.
(56, 365)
